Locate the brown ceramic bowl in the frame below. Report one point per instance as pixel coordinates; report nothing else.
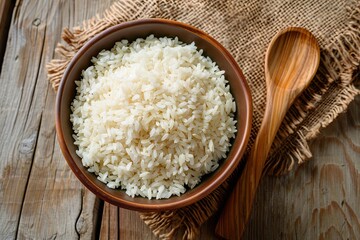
(131, 31)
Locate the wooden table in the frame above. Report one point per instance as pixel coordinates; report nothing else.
(40, 198)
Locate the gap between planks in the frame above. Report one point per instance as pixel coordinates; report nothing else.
(6, 10)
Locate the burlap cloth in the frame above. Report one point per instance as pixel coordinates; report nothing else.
(245, 28)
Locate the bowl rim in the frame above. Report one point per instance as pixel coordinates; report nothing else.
(166, 205)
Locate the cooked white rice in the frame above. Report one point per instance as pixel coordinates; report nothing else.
(152, 117)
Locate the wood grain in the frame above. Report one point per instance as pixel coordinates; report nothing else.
(320, 199)
(291, 62)
(39, 195)
(120, 223)
(110, 224)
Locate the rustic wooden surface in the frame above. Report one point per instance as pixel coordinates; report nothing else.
(320, 199)
(40, 198)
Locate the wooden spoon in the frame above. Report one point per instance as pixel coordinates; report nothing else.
(291, 62)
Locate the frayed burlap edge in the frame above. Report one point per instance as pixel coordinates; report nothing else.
(338, 68)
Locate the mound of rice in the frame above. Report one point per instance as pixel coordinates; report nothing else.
(152, 117)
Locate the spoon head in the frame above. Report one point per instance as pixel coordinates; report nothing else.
(292, 59)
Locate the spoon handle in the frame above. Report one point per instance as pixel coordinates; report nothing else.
(237, 210)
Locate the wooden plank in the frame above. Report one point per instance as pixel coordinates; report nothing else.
(79, 208)
(132, 227)
(39, 195)
(105, 222)
(110, 223)
(6, 10)
(320, 200)
(21, 112)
